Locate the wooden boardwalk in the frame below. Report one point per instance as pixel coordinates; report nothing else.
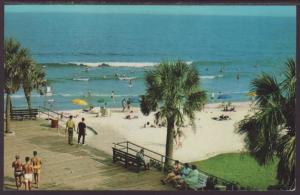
(68, 167)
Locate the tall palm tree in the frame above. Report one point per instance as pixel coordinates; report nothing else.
(270, 130)
(33, 79)
(172, 91)
(14, 57)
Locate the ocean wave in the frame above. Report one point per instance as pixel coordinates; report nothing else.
(115, 64)
(106, 64)
(211, 76)
(17, 96)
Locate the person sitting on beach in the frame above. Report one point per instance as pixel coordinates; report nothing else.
(27, 170)
(17, 168)
(141, 158)
(37, 163)
(130, 116)
(175, 171)
(147, 124)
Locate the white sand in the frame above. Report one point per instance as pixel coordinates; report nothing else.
(211, 137)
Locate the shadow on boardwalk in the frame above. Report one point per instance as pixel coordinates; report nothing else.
(68, 167)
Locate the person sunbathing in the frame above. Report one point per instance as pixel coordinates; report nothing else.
(175, 171)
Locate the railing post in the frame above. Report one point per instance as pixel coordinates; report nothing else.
(127, 146)
(162, 164)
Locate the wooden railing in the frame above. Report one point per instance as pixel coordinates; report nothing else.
(160, 158)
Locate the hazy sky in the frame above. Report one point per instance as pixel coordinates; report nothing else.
(289, 11)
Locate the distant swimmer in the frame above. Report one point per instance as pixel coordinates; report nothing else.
(206, 69)
(113, 96)
(238, 76)
(130, 83)
(212, 95)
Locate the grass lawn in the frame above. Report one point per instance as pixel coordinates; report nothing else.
(241, 168)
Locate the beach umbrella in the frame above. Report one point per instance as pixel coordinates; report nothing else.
(80, 102)
(251, 94)
(223, 97)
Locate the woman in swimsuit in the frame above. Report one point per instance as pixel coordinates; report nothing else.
(37, 163)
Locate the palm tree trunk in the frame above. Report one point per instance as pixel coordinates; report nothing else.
(169, 141)
(28, 99)
(8, 107)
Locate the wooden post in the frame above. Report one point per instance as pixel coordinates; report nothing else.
(127, 146)
(162, 164)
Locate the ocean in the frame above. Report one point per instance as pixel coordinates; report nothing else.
(222, 48)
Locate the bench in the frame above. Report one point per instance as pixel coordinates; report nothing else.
(21, 114)
(126, 158)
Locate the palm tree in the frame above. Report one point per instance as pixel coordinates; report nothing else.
(33, 79)
(173, 92)
(13, 58)
(270, 130)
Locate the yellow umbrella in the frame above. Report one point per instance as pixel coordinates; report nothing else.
(251, 94)
(79, 102)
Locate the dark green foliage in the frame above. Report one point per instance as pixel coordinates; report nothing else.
(172, 92)
(270, 131)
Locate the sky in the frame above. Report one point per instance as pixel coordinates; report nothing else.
(282, 11)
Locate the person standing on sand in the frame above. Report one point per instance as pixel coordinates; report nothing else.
(113, 96)
(124, 104)
(17, 167)
(128, 103)
(70, 127)
(27, 172)
(81, 131)
(37, 164)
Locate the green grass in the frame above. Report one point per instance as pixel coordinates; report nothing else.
(241, 168)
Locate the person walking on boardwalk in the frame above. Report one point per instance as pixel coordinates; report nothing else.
(17, 167)
(27, 172)
(70, 127)
(81, 131)
(37, 165)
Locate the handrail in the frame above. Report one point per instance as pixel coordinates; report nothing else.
(146, 149)
(163, 156)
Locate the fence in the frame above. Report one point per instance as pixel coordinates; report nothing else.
(158, 161)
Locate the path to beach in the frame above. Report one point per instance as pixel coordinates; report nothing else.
(210, 138)
(68, 167)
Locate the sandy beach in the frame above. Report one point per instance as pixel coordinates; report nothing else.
(210, 138)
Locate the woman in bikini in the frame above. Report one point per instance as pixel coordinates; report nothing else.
(17, 166)
(37, 163)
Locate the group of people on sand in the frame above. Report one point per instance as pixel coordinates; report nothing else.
(81, 130)
(183, 177)
(25, 173)
(126, 103)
